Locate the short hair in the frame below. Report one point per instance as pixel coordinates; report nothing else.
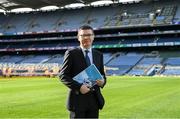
(85, 27)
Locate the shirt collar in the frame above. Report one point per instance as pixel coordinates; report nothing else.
(89, 49)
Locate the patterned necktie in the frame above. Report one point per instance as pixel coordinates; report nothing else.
(88, 62)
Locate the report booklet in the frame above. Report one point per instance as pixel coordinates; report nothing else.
(89, 76)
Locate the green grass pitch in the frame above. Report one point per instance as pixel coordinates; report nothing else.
(126, 97)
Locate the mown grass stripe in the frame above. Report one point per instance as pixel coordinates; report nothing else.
(126, 97)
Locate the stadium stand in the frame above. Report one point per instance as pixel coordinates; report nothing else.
(119, 15)
(33, 43)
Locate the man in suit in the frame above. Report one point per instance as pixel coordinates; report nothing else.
(83, 101)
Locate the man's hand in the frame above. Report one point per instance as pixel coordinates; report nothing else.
(100, 82)
(84, 89)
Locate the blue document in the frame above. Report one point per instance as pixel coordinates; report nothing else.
(89, 76)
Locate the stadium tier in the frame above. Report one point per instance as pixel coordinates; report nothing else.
(138, 38)
(114, 15)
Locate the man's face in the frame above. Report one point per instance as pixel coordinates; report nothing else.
(86, 38)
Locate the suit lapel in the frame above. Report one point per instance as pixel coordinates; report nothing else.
(94, 57)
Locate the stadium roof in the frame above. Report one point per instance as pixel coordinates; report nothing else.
(8, 5)
(36, 4)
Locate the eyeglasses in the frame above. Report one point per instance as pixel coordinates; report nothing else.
(86, 35)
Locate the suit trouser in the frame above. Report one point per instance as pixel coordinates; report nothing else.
(89, 110)
(84, 114)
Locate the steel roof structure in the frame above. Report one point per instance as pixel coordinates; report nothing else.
(8, 5)
(36, 4)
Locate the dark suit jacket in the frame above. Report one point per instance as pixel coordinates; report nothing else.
(74, 63)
